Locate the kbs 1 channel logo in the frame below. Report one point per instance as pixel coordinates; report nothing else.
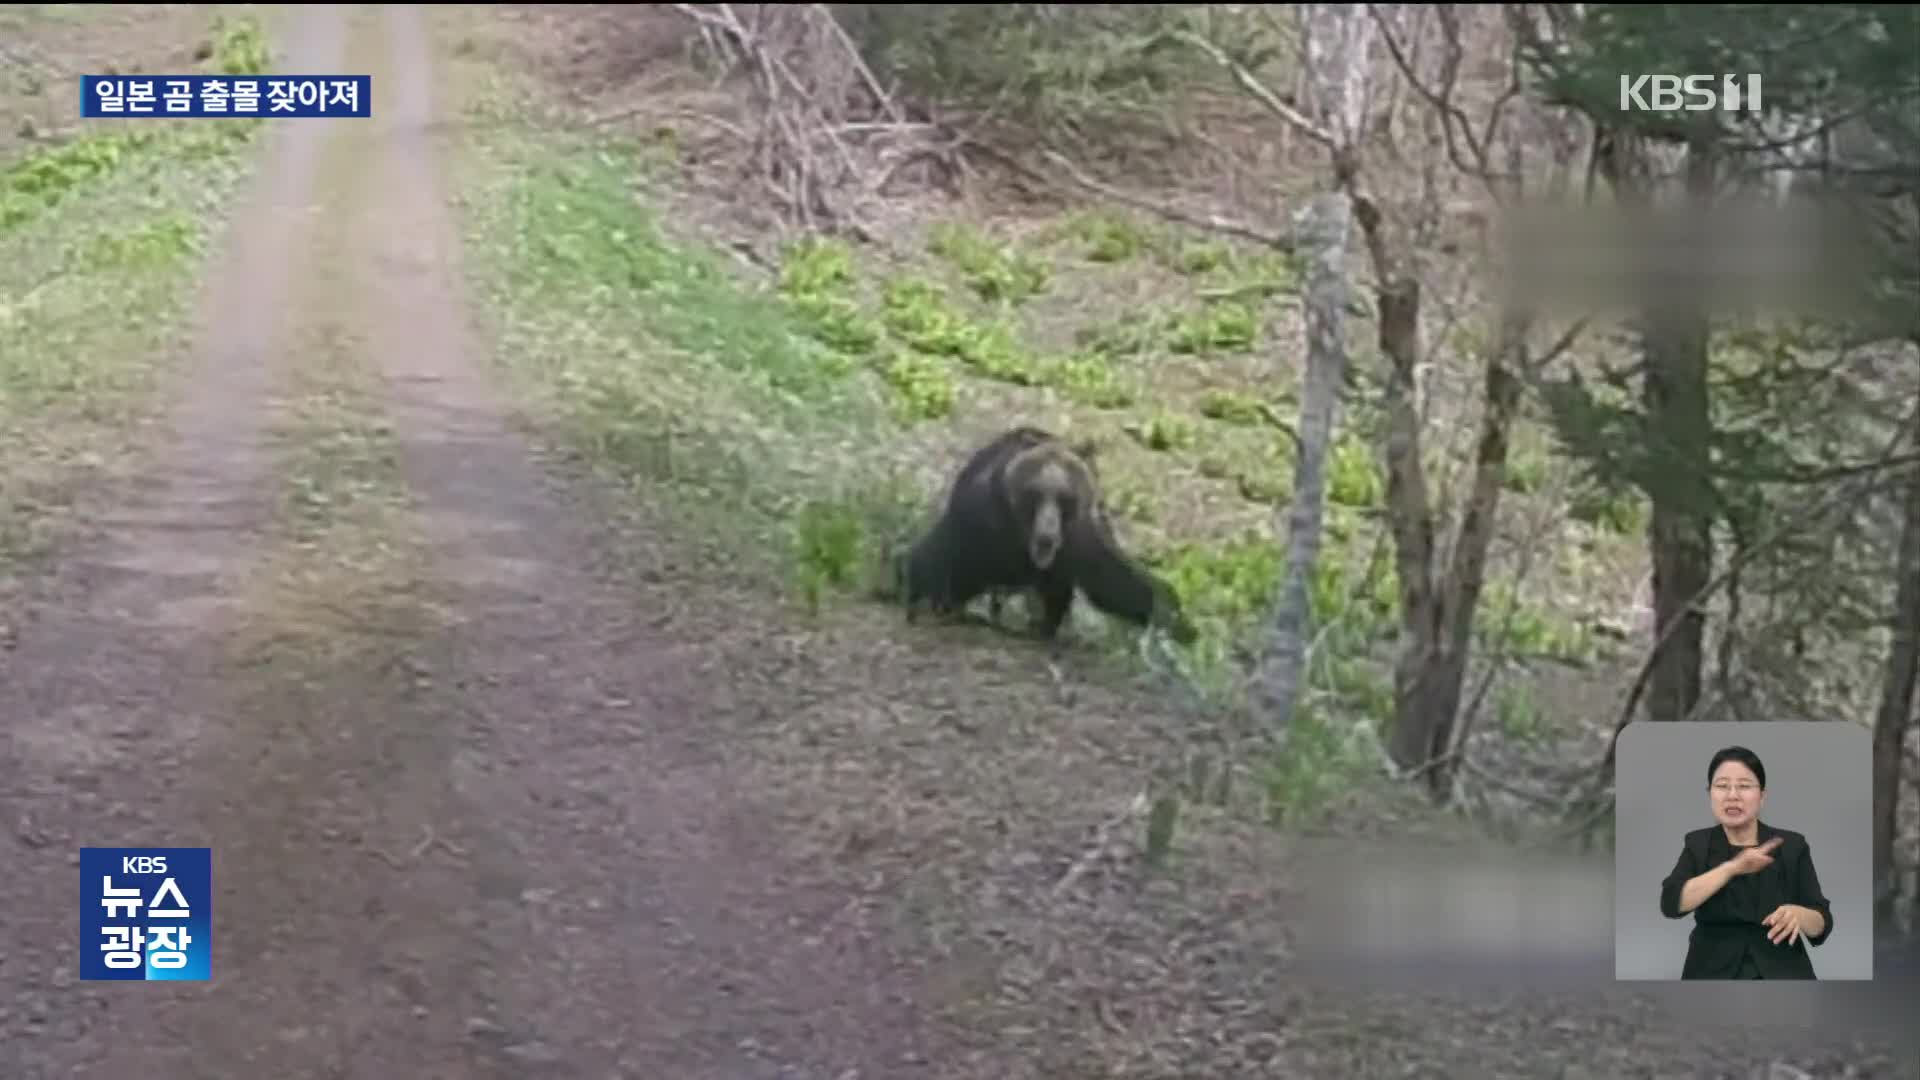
(146, 914)
(205, 97)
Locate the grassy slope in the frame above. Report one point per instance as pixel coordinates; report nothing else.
(803, 425)
(660, 367)
(102, 238)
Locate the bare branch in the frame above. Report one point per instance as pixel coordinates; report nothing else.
(1452, 54)
(1102, 839)
(1818, 476)
(648, 111)
(880, 96)
(1493, 781)
(820, 164)
(1773, 144)
(1560, 346)
(1456, 127)
(1261, 91)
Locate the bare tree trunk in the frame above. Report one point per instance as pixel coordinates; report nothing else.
(1678, 539)
(1338, 41)
(1278, 681)
(1896, 702)
(1680, 536)
(1468, 574)
(1436, 605)
(1409, 509)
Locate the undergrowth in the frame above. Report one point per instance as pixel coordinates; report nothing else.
(744, 408)
(776, 419)
(102, 238)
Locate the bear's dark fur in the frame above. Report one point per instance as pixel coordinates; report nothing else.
(1024, 513)
(990, 456)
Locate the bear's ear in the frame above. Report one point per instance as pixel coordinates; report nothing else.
(1086, 450)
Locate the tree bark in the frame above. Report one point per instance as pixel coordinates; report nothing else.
(1437, 604)
(1414, 741)
(1338, 41)
(1896, 702)
(1468, 574)
(1278, 683)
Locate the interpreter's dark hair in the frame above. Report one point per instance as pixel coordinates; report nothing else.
(1742, 755)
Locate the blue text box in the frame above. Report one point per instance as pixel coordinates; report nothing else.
(206, 97)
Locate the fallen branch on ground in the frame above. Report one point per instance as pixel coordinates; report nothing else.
(669, 112)
(1102, 836)
(428, 841)
(819, 161)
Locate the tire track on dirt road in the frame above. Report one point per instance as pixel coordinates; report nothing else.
(342, 946)
(108, 684)
(466, 822)
(662, 939)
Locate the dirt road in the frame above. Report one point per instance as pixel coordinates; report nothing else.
(463, 820)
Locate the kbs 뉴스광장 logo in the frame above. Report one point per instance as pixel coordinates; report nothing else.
(146, 914)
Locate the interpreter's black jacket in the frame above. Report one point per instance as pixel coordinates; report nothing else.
(1728, 924)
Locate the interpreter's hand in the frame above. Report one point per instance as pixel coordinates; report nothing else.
(1788, 924)
(1754, 859)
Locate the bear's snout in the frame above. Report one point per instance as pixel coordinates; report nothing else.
(1043, 548)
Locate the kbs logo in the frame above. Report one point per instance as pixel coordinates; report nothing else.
(146, 913)
(1663, 93)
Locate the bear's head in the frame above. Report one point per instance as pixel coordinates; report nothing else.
(1050, 486)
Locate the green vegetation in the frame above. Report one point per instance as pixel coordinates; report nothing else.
(1164, 431)
(1130, 335)
(1319, 764)
(925, 391)
(992, 273)
(1202, 257)
(1109, 238)
(1623, 513)
(1529, 459)
(1231, 407)
(661, 368)
(777, 421)
(102, 239)
(816, 278)
(1227, 326)
(240, 47)
(775, 410)
(1089, 379)
(1353, 474)
(1508, 625)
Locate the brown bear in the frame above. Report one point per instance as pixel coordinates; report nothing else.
(1024, 513)
(1020, 438)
